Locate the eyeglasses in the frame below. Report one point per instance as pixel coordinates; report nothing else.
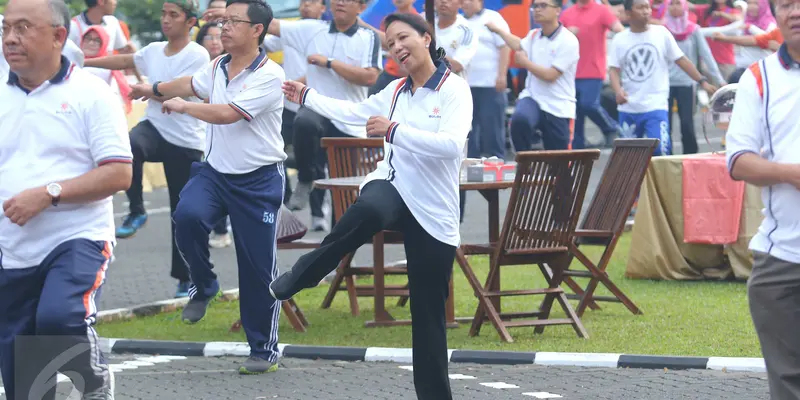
(234, 22)
(209, 38)
(94, 40)
(22, 29)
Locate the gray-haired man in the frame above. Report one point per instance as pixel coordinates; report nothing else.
(57, 224)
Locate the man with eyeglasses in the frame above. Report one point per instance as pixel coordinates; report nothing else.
(70, 50)
(544, 114)
(242, 175)
(763, 150)
(62, 158)
(344, 60)
(175, 141)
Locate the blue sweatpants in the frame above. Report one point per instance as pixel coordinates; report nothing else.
(587, 95)
(47, 314)
(529, 120)
(488, 136)
(252, 201)
(652, 124)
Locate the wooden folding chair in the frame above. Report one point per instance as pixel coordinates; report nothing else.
(348, 157)
(604, 221)
(541, 217)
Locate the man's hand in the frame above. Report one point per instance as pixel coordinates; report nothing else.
(214, 14)
(709, 88)
(141, 91)
(24, 206)
(318, 60)
(377, 126)
(622, 97)
(292, 90)
(501, 83)
(176, 104)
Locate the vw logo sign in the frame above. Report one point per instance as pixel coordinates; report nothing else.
(640, 62)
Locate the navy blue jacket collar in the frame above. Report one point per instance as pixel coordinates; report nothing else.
(786, 58)
(349, 31)
(435, 81)
(60, 76)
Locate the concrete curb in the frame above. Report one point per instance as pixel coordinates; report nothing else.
(158, 307)
(396, 355)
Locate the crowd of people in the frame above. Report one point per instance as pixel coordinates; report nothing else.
(221, 116)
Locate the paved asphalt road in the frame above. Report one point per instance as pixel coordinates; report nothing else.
(140, 273)
(180, 378)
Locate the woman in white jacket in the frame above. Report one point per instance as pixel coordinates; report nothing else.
(424, 119)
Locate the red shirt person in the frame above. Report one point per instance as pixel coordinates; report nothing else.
(590, 22)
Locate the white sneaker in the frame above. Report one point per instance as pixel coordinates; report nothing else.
(320, 224)
(218, 241)
(299, 199)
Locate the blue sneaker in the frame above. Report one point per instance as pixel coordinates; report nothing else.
(183, 290)
(131, 224)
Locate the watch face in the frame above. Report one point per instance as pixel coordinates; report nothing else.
(54, 189)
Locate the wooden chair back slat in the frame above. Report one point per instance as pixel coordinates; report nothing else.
(549, 187)
(349, 157)
(619, 186)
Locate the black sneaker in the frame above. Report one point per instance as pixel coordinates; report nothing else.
(256, 365)
(283, 288)
(195, 309)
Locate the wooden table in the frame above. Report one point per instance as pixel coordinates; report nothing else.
(489, 190)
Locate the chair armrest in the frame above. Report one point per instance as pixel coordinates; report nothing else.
(593, 233)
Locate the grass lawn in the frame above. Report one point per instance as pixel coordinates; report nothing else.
(680, 318)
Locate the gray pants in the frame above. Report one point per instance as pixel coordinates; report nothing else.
(774, 295)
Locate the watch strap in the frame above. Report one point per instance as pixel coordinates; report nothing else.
(155, 90)
(328, 64)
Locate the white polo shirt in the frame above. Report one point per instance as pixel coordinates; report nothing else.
(459, 42)
(425, 145)
(294, 63)
(179, 129)
(256, 94)
(644, 60)
(561, 51)
(483, 68)
(357, 46)
(116, 36)
(769, 126)
(52, 135)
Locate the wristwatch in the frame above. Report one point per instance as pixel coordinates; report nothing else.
(54, 190)
(155, 89)
(328, 64)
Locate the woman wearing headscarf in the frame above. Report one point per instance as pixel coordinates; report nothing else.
(759, 20)
(94, 44)
(682, 87)
(719, 13)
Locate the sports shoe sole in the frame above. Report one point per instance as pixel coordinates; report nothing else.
(245, 371)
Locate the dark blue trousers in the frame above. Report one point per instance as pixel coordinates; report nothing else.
(534, 129)
(47, 314)
(587, 95)
(488, 136)
(252, 201)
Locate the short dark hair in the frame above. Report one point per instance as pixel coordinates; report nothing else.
(91, 3)
(558, 3)
(628, 5)
(259, 12)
